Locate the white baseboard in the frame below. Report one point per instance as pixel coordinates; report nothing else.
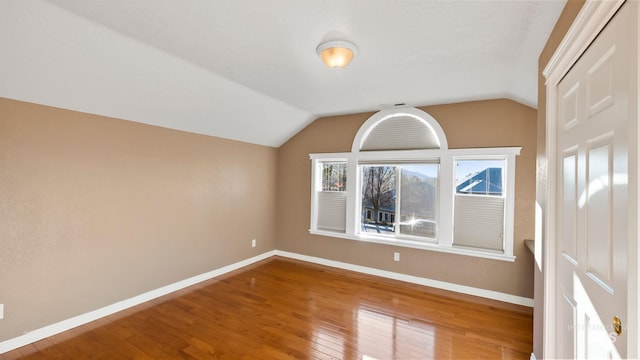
(495, 295)
(64, 325)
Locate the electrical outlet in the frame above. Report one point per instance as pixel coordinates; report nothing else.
(1, 311)
(396, 256)
(253, 243)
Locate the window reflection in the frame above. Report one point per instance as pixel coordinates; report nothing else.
(378, 336)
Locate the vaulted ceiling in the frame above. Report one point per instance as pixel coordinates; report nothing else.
(247, 69)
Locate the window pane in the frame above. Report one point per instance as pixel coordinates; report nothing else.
(479, 204)
(334, 176)
(418, 200)
(479, 177)
(378, 199)
(413, 202)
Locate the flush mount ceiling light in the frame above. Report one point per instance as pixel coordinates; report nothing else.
(336, 54)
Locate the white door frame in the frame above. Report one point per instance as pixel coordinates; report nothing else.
(592, 18)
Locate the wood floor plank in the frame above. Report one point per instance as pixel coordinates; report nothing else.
(287, 309)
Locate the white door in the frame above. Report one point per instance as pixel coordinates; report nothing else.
(592, 225)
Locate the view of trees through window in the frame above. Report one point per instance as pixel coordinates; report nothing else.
(400, 199)
(334, 176)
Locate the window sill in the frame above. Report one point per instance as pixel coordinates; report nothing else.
(487, 254)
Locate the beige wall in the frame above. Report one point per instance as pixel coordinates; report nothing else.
(567, 17)
(474, 124)
(94, 210)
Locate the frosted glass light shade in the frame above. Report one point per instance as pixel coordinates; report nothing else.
(336, 54)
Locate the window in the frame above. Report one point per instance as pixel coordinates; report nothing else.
(413, 191)
(479, 204)
(332, 199)
(479, 177)
(404, 192)
(334, 176)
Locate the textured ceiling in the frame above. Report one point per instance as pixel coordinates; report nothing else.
(247, 69)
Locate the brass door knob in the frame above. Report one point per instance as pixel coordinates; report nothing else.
(617, 325)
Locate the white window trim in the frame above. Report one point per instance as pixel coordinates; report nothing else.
(446, 187)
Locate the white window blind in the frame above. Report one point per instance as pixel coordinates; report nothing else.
(401, 133)
(332, 210)
(479, 221)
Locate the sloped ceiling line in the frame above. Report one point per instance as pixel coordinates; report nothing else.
(247, 69)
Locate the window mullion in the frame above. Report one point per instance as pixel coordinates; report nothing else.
(398, 197)
(315, 181)
(353, 197)
(446, 201)
(509, 194)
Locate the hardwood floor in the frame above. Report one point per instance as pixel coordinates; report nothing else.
(282, 309)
